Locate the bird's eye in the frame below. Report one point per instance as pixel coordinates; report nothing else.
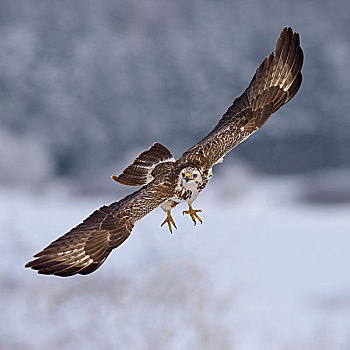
(183, 175)
(194, 175)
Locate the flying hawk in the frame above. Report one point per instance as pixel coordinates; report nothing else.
(167, 182)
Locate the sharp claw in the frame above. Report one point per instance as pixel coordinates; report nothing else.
(172, 221)
(169, 220)
(193, 214)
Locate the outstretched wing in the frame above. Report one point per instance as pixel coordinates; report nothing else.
(275, 82)
(83, 249)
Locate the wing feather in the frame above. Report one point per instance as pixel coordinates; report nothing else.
(83, 249)
(275, 82)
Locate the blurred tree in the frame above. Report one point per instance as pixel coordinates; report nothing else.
(93, 82)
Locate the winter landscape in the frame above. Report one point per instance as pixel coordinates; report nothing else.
(264, 271)
(85, 86)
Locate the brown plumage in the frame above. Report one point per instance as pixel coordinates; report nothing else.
(275, 82)
(167, 182)
(83, 249)
(140, 171)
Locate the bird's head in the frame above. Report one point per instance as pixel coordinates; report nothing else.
(190, 177)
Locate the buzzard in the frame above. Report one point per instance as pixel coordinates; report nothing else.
(167, 182)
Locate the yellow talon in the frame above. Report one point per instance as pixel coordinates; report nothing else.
(193, 213)
(170, 221)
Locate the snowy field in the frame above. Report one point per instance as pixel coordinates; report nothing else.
(264, 271)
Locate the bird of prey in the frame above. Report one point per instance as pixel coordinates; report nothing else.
(167, 182)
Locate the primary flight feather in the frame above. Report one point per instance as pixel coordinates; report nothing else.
(168, 182)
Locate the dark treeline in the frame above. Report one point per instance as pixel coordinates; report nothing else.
(88, 83)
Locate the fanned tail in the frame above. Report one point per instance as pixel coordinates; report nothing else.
(140, 171)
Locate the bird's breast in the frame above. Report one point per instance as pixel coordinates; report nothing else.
(183, 194)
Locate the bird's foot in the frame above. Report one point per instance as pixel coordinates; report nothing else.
(170, 221)
(193, 213)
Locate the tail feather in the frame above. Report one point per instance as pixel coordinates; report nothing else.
(140, 171)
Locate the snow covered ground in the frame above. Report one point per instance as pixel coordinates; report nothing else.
(264, 271)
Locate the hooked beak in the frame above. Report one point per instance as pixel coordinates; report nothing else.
(187, 177)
